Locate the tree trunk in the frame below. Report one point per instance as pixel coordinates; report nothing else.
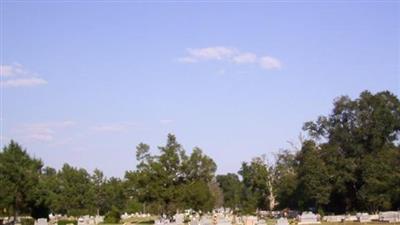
(15, 212)
(271, 197)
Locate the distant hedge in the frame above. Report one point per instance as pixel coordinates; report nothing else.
(65, 222)
(27, 221)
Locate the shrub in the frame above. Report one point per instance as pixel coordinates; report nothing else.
(27, 221)
(113, 216)
(65, 222)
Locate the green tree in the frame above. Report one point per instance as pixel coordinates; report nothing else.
(353, 134)
(231, 189)
(19, 177)
(285, 180)
(162, 182)
(255, 178)
(74, 193)
(43, 193)
(98, 180)
(314, 187)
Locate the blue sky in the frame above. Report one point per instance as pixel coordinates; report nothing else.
(84, 83)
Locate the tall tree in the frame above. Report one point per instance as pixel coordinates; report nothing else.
(231, 188)
(356, 131)
(285, 180)
(74, 193)
(19, 177)
(255, 192)
(314, 187)
(98, 180)
(166, 182)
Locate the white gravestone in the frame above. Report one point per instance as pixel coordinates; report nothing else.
(261, 222)
(282, 221)
(350, 218)
(205, 221)
(250, 220)
(179, 219)
(309, 218)
(42, 221)
(223, 221)
(391, 217)
(337, 218)
(363, 217)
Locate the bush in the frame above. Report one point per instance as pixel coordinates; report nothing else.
(113, 216)
(65, 222)
(27, 221)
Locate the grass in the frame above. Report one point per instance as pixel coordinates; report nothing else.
(146, 221)
(357, 223)
(140, 220)
(273, 222)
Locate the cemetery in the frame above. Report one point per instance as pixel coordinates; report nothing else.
(199, 112)
(218, 218)
(172, 186)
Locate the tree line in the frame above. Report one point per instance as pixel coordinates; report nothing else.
(349, 161)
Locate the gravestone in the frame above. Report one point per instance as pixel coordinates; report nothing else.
(99, 219)
(337, 218)
(390, 216)
(205, 221)
(42, 221)
(261, 222)
(179, 218)
(350, 218)
(282, 221)
(81, 221)
(223, 221)
(363, 217)
(194, 221)
(250, 220)
(309, 218)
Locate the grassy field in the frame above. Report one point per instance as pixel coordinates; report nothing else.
(146, 221)
(357, 223)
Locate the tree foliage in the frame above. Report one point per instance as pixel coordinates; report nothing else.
(172, 180)
(350, 162)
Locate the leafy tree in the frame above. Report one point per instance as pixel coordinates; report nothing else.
(19, 177)
(43, 193)
(98, 180)
(115, 194)
(381, 174)
(285, 180)
(255, 192)
(113, 216)
(216, 194)
(164, 182)
(356, 133)
(231, 188)
(74, 195)
(314, 187)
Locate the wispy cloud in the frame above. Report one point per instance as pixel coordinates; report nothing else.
(112, 127)
(43, 132)
(24, 82)
(166, 121)
(16, 75)
(229, 54)
(269, 63)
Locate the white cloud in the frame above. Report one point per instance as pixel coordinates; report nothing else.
(211, 53)
(6, 70)
(228, 54)
(24, 82)
(43, 132)
(166, 121)
(112, 127)
(269, 63)
(16, 75)
(247, 57)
